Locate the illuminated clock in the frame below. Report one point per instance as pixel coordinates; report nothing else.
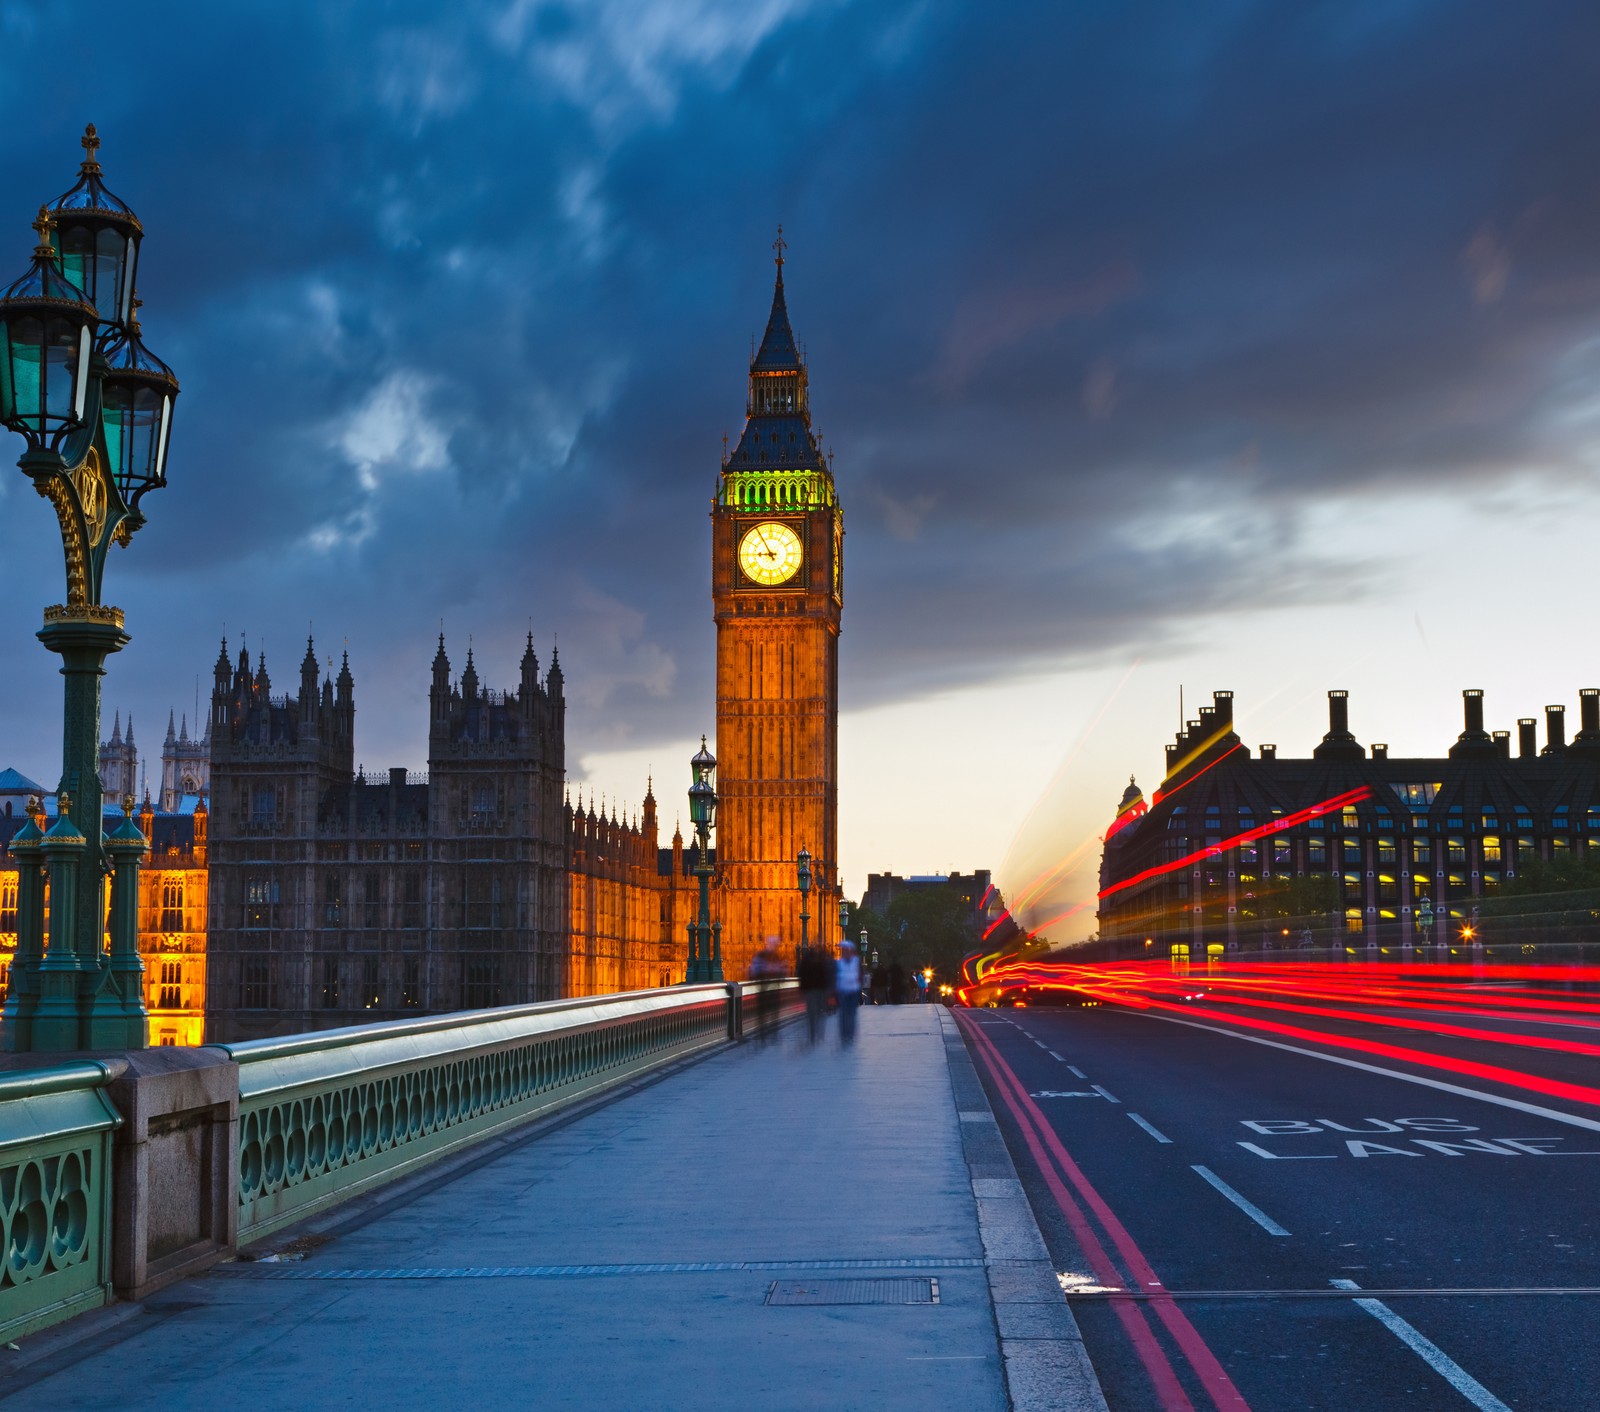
(770, 553)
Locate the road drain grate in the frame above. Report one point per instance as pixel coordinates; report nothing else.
(906, 1291)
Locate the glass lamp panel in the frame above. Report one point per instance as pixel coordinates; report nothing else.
(26, 340)
(8, 395)
(144, 441)
(61, 357)
(113, 282)
(76, 247)
(115, 415)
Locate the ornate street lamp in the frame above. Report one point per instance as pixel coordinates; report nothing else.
(844, 917)
(803, 870)
(705, 940)
(94, 407)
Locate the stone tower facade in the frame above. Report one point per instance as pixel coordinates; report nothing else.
(185, 763)
(339, 900)
(119, 763)
(777, 583)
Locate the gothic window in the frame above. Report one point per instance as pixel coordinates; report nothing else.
(264, 808)
(172, 904)
(171, 996)
(258, 988)
(261, 902)
(369, 903)
(477, 903)
(411, 991)
(330, 983)
(371, 991)
(332, 902)
(8, 903)
(480, 982)
(411, 911)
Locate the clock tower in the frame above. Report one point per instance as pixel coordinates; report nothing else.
(777, 586)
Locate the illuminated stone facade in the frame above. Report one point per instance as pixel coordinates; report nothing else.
(777, 539)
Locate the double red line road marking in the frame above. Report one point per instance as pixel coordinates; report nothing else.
(1081, 1203)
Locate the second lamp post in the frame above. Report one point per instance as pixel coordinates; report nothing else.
(705, 940)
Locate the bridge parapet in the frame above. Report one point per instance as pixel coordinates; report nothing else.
(328, 1116)
(118, 1176)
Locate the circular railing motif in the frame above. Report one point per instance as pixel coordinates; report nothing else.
(44, 1215)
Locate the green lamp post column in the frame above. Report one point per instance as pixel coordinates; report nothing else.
(803, 875)
(95, 410)
(705, 942)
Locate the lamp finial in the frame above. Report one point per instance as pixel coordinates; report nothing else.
(44, 223)
(91, 144)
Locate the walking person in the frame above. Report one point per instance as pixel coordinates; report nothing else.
(847, 989)
(816, 981)
(766, 968)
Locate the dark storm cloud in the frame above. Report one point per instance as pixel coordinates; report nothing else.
(1099, 301)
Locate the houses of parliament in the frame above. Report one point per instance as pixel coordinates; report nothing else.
(284, 890)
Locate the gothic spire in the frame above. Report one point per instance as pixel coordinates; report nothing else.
(778, 352)
(116, 729)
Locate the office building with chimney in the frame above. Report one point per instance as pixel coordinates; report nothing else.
(1386, 851)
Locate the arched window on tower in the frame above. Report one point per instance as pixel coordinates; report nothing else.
(172, 904)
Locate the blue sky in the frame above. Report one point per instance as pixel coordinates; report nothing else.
(1202, 338)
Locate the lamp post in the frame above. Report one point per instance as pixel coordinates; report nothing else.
(705, 941)
(803, 869)
(844, 919)
(95, 409)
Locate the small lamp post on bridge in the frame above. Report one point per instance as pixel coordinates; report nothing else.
(95, 409)
(844, 919)
(803, 868)
(705, 941)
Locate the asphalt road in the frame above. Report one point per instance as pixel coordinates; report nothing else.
(1449, 1211)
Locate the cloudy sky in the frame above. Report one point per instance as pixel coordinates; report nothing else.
(1243, 345)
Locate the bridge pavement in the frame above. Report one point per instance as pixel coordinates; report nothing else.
(512, 1276)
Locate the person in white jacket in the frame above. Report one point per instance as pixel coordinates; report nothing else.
(847, 989)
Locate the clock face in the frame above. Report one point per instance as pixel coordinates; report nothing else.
(770, 553)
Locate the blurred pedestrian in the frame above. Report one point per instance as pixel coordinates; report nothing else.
(816, 981)
(766, 967)
(847, 989)
(880, 985)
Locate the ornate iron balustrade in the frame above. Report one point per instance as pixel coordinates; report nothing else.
(56, 1128)
(328, 1116)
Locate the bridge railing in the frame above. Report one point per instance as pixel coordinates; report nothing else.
(56, 1128)
(325, 1117)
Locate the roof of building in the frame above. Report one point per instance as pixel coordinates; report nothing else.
(15, 782)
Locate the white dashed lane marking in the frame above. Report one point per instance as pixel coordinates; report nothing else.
(1250, 1209)
(1159, 1137)
(1430, 1353)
